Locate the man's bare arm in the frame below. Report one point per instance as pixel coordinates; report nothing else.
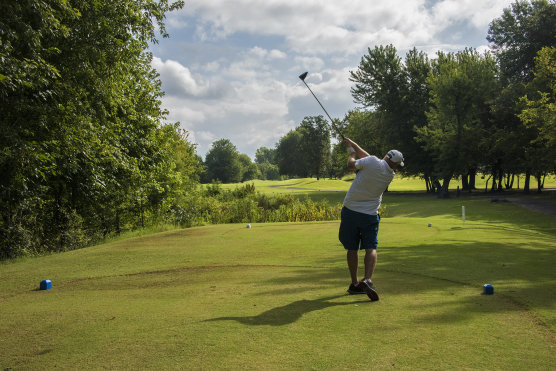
(355, 153)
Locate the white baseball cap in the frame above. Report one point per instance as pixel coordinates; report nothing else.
(395, 156)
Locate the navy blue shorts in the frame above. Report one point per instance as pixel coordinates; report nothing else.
(358, 230)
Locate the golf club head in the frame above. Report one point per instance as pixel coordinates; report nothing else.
(303, 76)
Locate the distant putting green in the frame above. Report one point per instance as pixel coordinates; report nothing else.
(273, 297)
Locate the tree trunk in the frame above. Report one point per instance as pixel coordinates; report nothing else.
(436, 186)
(464, 182)
(509, 181)
(527, 180)
(427, 185)
(486, 184)
(445, 186)
(540, 182)
(118, 222)
(472, 175)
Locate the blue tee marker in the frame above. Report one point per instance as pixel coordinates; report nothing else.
(488, 289)
(46, 285)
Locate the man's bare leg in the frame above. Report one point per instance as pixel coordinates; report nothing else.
(353, 261)
(370, 262)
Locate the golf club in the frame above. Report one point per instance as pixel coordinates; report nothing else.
(302, 77)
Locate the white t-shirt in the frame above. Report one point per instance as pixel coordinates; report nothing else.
(372, 179)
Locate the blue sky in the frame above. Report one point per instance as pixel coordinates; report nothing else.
(230, 67)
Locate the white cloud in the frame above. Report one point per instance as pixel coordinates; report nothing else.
(253, 109)
(267, 54)
(310, 63)
(211, 66)
(312, 26)
(188, 114)
(316, 27)
(483, 49)
(478, 13)
(179, 81)
(277, 54)
(180, 76)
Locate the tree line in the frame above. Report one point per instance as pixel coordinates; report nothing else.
(453, 116)
(303, 152)
(466, 112)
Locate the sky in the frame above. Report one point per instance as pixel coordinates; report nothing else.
(230, 67)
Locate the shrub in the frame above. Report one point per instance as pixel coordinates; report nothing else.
(244, 205)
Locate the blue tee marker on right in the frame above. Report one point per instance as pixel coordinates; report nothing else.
(45, 285)
(488, 289)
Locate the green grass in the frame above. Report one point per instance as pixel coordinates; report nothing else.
(334, 190)
(399, 184)
(272, 297)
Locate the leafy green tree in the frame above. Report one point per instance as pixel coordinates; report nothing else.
(249, 170)
(245, 161)
(338, 161)
(252, 172)
(507, 138)
(462, 87)
(269, 171)
(80, 114)
(315, 145)
(523, 29)
(186, 162)
(178, 172)
(398, 93)
(414, 106)
(364, 128)
(539, 104)
(265, 154)
(379, 79)
(305, 151)
(266, 161)
(223, 162)
(289, 154)
(539, 114)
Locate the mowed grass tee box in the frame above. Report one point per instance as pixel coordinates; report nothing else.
(274, 296)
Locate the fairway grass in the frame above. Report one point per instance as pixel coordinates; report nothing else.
(399, 184)
(273, 297)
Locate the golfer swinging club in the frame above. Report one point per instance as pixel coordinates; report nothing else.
(360, 219)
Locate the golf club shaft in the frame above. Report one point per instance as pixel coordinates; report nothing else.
(331, 121)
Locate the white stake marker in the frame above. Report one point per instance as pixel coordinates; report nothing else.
(463, 213)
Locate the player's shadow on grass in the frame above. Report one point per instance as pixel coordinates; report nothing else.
(290, 313)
